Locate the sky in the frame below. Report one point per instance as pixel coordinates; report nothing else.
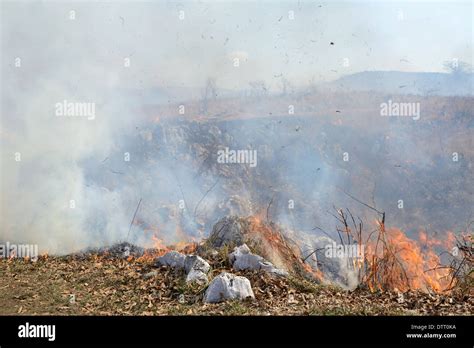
(273, 40)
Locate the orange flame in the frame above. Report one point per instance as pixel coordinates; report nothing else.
(412, 264)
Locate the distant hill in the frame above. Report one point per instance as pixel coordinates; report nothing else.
(397, 82)
(169, 94)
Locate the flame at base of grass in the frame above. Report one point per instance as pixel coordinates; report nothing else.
(159, 248)
(279, 249)
(395, 261)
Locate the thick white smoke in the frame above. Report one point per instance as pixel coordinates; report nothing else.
(112, 56)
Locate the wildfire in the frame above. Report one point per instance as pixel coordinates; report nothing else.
(158, 244)
(159, 247)
(390, 259)
(279, 249)
(399, 262)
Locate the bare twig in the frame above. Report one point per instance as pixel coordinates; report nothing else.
(365, 204)
(133, 219)
(207, 192)
(313, 252)
(268, 207)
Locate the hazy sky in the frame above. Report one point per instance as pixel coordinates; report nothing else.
(164, 50)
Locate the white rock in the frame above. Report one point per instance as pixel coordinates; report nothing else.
(242, 259)
(243, 249)
(197, 276)
(270, 268)
(196, 267)
(197, 263)
(227, 286)
(172, 259)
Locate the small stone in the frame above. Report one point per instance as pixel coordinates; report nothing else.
(194, 262)
(400, 298)
(242, 259)
(197, 276)
(196, 267)
(291, 299)
(227, 286)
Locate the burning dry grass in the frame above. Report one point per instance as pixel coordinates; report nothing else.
(99, 285)
(266, 239)
(393, 261)
(406, 264)
(390, 261)
(272, 243)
